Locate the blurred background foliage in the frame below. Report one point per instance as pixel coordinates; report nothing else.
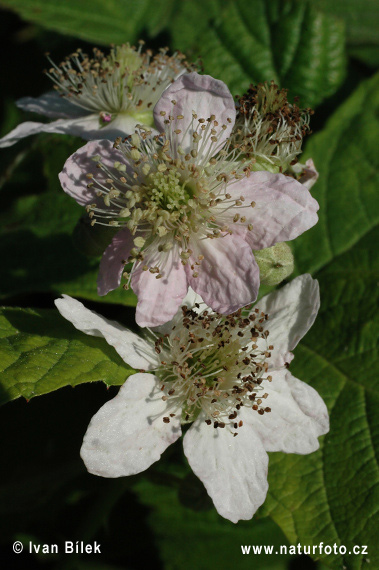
(324, 52)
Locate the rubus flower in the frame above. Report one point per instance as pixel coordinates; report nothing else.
(105, 96)
(189, 208)
(228, 376)
(269, 128)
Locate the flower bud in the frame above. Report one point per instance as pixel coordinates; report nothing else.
(275, 263)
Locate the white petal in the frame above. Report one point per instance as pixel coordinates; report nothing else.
(54, 106)
(233, 469)
(133, 349)
(191, 298)
(128, 433)
(291, 312)
(309, 174)
(189, 301)
(20, 132)
(51, 105)
(86, 127)
(298, 416)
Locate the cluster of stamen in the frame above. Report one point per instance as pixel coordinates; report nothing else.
(214, 364)
(269, 128)
(126, 80)
(166, 195)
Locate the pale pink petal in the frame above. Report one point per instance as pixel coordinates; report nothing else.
(291, 312)
(73, 177)
(233, 469)
(128, 433)
(203, 95)
(51, 105)
(159, 299)
(228, 276)
(133, 349)
(283, 210)
(297, 418)
(113, 261)
(309, 174)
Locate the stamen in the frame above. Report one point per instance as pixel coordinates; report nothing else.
(269, 129)
(127, 80)
(167, 199)
(212, 364)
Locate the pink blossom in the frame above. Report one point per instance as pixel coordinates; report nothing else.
(189, 209)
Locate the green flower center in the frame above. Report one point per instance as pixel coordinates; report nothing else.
(168, 191)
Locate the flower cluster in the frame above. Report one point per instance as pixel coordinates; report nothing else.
(189, 206)
(203, 195)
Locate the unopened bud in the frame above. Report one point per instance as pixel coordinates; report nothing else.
(275, 263)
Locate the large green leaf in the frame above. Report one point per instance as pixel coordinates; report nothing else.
(332, 496)
(253, 41)
(362, 23)
(202, 535)
(240, 41)
(113, 21)
(345, 153)
(41, 352)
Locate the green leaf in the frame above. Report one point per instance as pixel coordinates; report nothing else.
(362, 23)
(345, 153)
(201, 536)
(331, 496)
(240, 41)
(113, 21)
(254, 41)
(41, 352)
